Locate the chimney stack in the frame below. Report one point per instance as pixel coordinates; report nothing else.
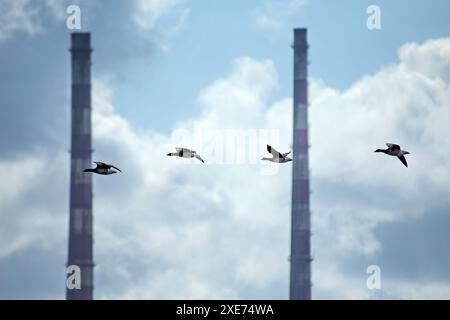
(81, 224)
(300, 259)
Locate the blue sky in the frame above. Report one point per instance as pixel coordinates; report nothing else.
(342, 49)
(174, 229)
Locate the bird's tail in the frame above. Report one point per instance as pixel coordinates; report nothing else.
(171, 154)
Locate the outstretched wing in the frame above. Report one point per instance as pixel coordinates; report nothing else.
(274, 152)
(185, 150)
(101, 165)
(116, 168)
(199, 158)
(286, 154)
(393, 146)
(403, 160)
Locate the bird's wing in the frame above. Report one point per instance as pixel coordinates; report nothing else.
(393, 146)
(178, 149)
(286, 154)
(403, 160)
(101, 164)
(183, 149)
(116, 168)
(199, 158)
(274, 152)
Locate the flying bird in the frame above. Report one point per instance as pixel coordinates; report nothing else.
(277, 156)
(103, 168)
(185, 153)
(396, 151)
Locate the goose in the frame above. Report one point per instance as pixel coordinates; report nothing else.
(396, 151)
(185, 153)
(277, 156)
(103, 168)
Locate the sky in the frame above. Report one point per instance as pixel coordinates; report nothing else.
(172, 72)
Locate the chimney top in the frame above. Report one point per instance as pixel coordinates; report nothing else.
(300, 36)
(81, 41)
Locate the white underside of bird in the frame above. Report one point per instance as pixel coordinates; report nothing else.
(277, 157)
(185, 153)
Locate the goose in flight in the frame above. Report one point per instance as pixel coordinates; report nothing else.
(185, 153)
(396, 151)
(103, 168)
(277, 156)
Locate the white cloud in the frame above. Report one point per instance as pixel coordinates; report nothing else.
(407, 103)
(431, 59)
(168, 229)
(163, 17)
(273, 14)
(420, 290)
(29, 206)
(18, 15)
(26, 16)
(188, 221)
(148, 12)
(267, 23)
(349, 224)
(399, 104)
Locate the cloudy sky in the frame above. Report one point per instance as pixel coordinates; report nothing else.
(171, 72)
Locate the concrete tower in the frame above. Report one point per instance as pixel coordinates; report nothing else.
(80, 224)
(300, 273)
